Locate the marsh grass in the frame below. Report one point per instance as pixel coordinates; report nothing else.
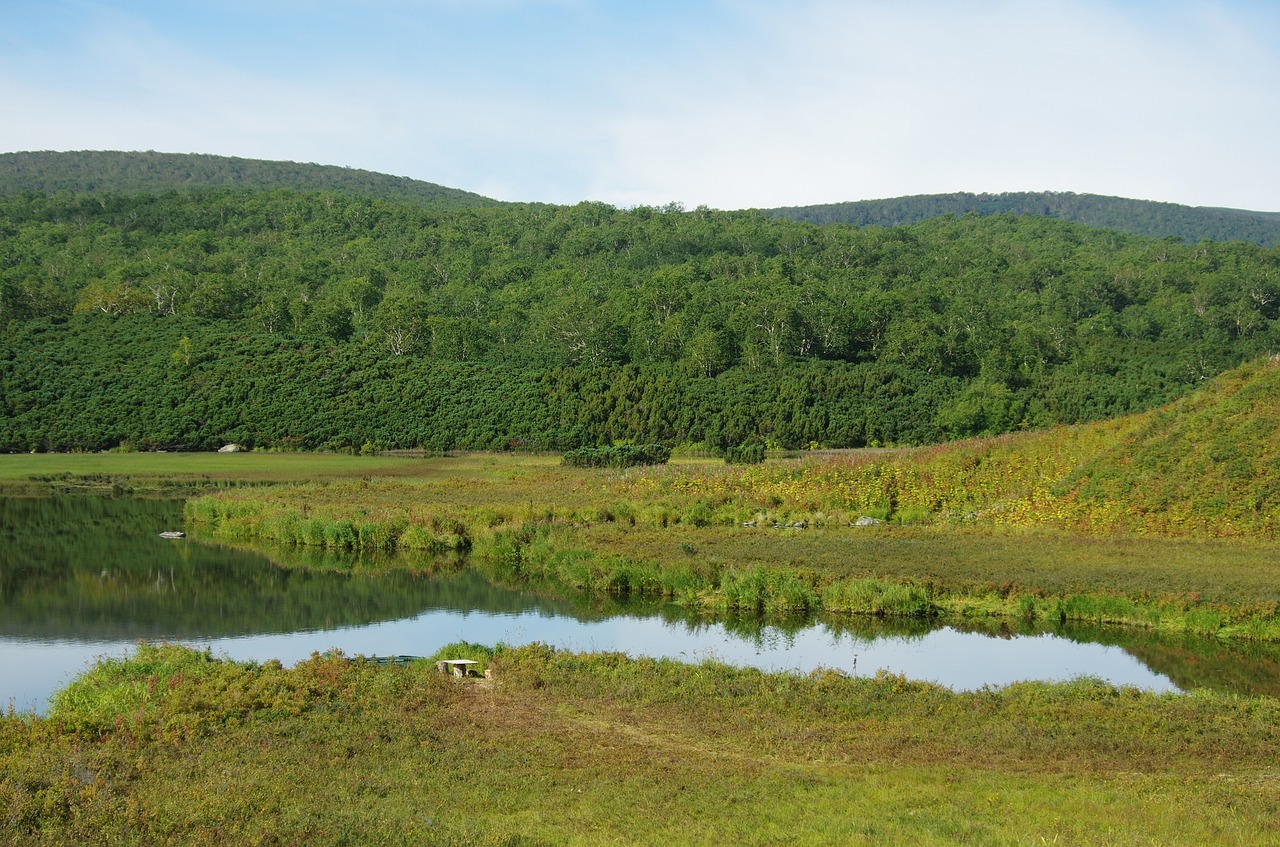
(560, 748)
(630, 532)
(569, 748)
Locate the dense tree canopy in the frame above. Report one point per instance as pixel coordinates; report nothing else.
(283, 318)
(1140, 217)
(117, 172)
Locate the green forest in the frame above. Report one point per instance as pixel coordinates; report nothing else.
(112, 171)
(144, 308)
(1139, 217)
(290, 319)
(116, 172)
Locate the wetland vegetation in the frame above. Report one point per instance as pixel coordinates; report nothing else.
(584, 748)
(1058, 525)
(171, 745)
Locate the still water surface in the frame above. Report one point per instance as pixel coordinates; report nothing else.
(82, 578)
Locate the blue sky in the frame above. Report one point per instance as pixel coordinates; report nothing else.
(728, 103)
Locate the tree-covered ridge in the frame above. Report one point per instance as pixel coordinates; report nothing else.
(109, 171)
(1140, 217)
(281, 318)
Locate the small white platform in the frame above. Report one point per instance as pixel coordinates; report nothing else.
(458, 667)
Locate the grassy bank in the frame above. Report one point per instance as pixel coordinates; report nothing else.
(171, 746)
(557, 748)
(677, 532)
(776, 538)
(1226, 590)
(177, 473)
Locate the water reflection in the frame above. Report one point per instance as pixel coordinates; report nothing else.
(85, 577)
(95, 569)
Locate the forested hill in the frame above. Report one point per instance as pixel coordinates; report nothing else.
(102, 171)
(92, 171)
(1140, 217)
(286, 319)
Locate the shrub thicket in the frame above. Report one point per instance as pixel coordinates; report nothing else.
(622, 456)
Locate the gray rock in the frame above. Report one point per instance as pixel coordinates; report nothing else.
(231, 448)
(867, 520)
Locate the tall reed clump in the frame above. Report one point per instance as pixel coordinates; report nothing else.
(764, 591)
(542, 553)
(435, 535)
(243, 519)
(873, 597)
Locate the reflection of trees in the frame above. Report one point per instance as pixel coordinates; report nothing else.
(870, 628)
(96, 568)
(1194, 662)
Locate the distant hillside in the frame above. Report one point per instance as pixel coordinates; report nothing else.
(1140, 217)
(91, 171)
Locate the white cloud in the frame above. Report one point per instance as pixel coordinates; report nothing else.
(767, 104)
(862, 100)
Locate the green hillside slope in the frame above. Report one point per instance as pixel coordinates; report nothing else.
(1210, 461)
(1140, 217)
(95, 171)
(1205, 465)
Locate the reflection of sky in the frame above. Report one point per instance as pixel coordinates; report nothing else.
(30, 671)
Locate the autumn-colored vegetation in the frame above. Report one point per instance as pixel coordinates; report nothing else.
(567, 748)
(171, 745)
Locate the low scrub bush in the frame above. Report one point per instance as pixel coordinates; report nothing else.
(744, 454)
(624, 456)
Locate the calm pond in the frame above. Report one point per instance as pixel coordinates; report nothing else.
(86, 577)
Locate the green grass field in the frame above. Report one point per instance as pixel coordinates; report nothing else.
(149, 469)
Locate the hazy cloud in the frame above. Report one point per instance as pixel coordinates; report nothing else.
(731, 104)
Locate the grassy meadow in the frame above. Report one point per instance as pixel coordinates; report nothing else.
(961, 534)
(156, 473)
(171, 746)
